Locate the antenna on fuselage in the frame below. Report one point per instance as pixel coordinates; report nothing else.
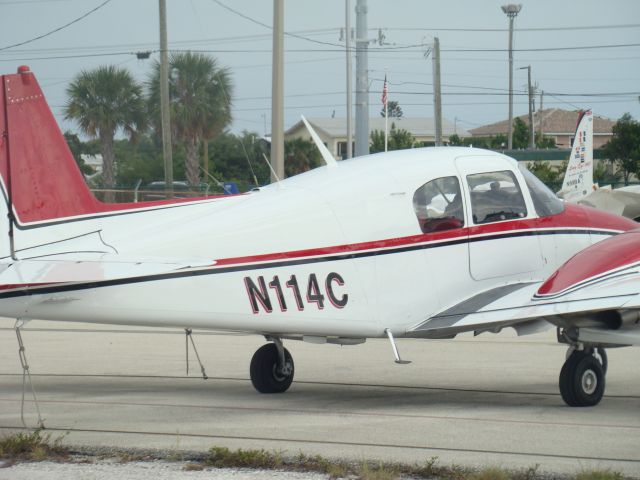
(273, 172)
(220, 184)
(324, 151)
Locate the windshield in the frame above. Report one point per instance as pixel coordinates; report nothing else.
(544, 200)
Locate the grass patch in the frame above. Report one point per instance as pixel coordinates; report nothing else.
(378, 471)
(431, 469)
(39, 446)
(222, 457)
(32, 446)
(491, 473)
(607, 474)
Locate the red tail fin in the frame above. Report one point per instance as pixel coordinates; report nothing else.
(38, 170)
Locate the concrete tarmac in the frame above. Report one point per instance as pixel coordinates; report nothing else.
(492, 400)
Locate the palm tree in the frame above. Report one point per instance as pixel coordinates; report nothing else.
(103, 101)
(301, 155)
(200, 98)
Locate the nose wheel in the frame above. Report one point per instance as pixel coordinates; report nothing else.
(272, 368)
(582, 378)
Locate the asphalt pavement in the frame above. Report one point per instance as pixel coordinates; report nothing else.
(482, 401)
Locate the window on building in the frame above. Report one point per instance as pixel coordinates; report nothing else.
(495, 196)
(342, 149)
(438, 205)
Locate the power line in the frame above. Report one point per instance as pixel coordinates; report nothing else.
(531, 29)
(57, 29)
(270, 27)
(543, 49)
(24, 2)
(138, 46)
(60, 57)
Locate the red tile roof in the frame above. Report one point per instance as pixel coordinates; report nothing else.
(555, 121)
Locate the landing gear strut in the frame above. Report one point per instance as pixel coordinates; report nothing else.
(272, 368)
(582, 378)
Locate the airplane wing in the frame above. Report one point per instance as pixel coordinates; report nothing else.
(623, 201)
(595, 296)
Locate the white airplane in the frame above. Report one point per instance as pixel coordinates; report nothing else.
(578, 185)
(423, 243)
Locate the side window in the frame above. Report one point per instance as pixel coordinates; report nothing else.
(438, 205)
(495, 196)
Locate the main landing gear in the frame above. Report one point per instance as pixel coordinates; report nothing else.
(582, 378)
(272, 368)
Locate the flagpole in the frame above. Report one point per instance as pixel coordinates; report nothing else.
(385, 94)
(386, 126)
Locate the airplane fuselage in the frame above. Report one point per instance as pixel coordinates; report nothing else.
(334, 252)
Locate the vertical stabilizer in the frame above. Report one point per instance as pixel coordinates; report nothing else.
(40, 177)
(578, 179)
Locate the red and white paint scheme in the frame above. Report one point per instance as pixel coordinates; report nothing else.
(422, 243)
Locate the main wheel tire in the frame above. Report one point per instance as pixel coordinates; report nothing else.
(266, 377)
(582, 380)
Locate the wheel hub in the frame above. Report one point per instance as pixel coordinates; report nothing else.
(282, 373)
(589, 382)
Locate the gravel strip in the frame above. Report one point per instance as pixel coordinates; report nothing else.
(158, 470)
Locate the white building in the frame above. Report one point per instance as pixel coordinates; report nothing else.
(333, 131)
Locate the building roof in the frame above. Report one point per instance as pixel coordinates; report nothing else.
(417, 126)
(555, 121)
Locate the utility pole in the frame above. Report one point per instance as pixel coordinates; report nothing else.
(362, 80)
(437, 95)
(540, 116)
(347, 15)
(512, 11)
(277, 92)
(164, 102)
(532, 140)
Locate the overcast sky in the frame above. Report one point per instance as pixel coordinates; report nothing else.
(475, 83)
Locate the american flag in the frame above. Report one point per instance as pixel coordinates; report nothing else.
(385, 91)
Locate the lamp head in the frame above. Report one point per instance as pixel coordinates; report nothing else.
(512, 9)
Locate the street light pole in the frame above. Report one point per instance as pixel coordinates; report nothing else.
(277, 93)
(512, 11)
(349, 77)
(167, 152)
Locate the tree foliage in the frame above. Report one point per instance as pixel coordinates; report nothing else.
(550, 175)
(300, 156)
(497, 142)
(393, 108)
(624, 148)
(103, 101)
(79, 148)
(399, 139)
(604, 174)
(493, 142)
(200, 103)
(520, 133)
(239, 158)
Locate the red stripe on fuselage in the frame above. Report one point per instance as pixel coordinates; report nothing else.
(574, 216)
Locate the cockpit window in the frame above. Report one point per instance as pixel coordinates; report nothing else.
(495, 196)
(544, 200)
(438, 205)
